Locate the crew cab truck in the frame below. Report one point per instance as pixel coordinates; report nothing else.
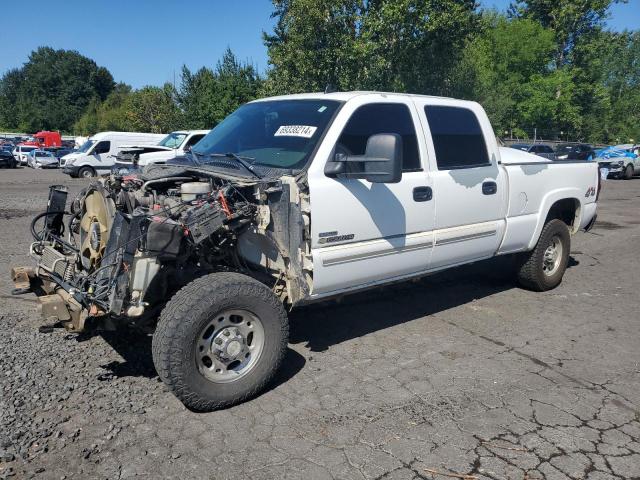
(292, 200)
(176, 144)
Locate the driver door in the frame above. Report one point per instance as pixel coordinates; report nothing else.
(101, 153)
(362, 232)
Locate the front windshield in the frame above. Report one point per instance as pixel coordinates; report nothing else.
(173, 140)
(86, 146)
(275, 133)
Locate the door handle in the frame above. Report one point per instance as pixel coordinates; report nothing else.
(422, 194)
(489, 188)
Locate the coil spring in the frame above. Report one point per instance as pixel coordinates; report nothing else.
(68, 272)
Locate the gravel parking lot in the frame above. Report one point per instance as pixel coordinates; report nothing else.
(461, 374)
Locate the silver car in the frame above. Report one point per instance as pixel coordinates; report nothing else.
(42, 159)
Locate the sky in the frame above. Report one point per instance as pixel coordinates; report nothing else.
(146, 42)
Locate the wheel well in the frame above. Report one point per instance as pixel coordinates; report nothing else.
(567, 210)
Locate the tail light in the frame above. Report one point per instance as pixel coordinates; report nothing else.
(599, 184)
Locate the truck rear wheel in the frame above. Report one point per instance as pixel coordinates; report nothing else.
(220, 340)
(543, 267)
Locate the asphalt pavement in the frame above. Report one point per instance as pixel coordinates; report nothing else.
(459, 375)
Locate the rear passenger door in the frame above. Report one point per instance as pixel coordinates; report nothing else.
(469, 187)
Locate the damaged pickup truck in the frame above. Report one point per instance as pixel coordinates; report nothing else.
(292, 200)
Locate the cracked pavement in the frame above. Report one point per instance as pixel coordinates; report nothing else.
(460, 374)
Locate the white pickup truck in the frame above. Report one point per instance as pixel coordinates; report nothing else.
(176, 144)
(292, 200)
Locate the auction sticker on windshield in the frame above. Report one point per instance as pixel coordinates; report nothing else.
(304, 131)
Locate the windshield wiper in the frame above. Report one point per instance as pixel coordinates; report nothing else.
(241, 160)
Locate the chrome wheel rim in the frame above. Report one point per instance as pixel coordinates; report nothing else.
(229, 346)
(552, 257)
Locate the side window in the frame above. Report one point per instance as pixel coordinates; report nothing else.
(102, 147)
(193, 140)
(457, 138)
(381, 118)
(546, 149)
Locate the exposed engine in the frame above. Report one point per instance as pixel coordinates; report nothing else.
(129, 242)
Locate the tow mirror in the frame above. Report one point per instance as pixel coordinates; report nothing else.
(381, 162)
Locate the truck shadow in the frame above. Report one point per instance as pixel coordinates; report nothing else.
(323, 325)
(135, 349)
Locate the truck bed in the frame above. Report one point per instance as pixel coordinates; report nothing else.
(534, 185)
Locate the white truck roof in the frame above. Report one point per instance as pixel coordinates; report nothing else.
(345, 96)
(102, 135)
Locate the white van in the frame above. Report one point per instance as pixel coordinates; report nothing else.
(97, 155)
(176, 144)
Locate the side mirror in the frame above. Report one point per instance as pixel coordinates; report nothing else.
(187, 149)
(381, 162)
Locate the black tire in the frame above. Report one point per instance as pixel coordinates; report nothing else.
(189, 312)
(86, 172)
(531, 273)
(628, 172)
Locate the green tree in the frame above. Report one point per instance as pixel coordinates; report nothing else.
(621, 79)
(548, 102)
(570, 20)
(498, 64)
(399, 45)
(10, 98)
(108, 115)
(208, 96)
(55, 88)
(153, 109)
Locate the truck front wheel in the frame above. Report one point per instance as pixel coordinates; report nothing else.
(220, 340)
(542, 268)
(86, 172)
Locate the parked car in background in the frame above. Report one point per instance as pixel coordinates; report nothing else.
(97, 155)
(7, 159)
(42, 159)
(619, 161)
(176, 144)
(540, 149)
(59, 152)
(21, 151)
(575, 151)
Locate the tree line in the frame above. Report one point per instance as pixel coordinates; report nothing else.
(546, 64)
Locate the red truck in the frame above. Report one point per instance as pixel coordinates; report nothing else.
(45, 139)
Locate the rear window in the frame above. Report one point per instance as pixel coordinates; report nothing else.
(457, 138)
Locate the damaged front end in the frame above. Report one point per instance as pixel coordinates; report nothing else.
(127, 243)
